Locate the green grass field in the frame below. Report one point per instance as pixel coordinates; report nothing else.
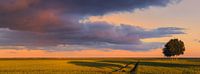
(98, 66)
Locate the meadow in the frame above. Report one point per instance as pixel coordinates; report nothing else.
(99, 66)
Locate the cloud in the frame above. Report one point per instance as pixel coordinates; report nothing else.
(50, 23)
(94, 7)
(14, 6)
(94, 35)
(45, 15)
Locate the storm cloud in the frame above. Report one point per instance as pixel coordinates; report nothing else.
(51, 23)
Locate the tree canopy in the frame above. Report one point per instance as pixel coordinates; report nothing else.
(174, 47)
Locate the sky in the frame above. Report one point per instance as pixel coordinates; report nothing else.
(97, 28)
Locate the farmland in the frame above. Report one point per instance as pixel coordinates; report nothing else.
(98, 66)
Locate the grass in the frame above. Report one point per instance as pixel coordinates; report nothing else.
(98, 66)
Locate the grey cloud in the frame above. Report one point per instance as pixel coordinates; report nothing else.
(98, 35)
(49, 15)
(50, 23)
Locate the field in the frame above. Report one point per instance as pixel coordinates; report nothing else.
(98, 66)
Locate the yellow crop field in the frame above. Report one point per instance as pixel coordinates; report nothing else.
(98, 66)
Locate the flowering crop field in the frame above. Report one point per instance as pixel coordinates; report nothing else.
(99, 66)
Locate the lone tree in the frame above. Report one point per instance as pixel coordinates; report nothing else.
(174, 47)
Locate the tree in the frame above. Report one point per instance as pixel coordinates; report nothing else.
(174, 47)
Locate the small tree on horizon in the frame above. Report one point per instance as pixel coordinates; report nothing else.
(174, 47)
